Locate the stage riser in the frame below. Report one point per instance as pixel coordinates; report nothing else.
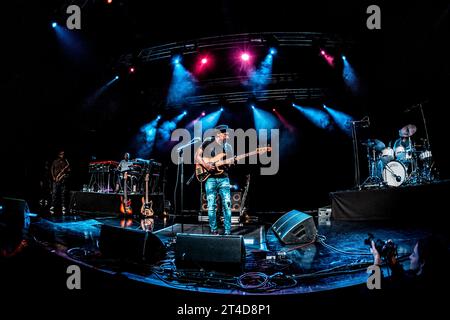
(425, 204)
(109, 203)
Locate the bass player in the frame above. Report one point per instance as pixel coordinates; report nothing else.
(217, 184)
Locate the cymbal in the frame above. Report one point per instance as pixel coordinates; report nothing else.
(407, 131)
(375, 144)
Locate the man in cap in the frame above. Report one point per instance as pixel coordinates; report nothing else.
(217, 183)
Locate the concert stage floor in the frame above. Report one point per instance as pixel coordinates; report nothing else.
(340, 261)
(332, 272)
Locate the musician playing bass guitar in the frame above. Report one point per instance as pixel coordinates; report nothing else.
(218, 183)
(59, 172)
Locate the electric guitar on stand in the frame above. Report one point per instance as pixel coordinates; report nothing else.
(146, 209)
(202, 173)
(125, 203)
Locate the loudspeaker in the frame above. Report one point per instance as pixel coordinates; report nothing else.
(213, 252)
(236, 202)
(14, 213)
(136, 245)
(295, 227)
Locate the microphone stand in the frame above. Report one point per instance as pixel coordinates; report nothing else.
(355, 156)
(365, 123)
(181, 166)
(425, 126)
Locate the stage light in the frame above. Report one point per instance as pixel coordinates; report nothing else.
(116, 77)
(54, 24)
(176, 59)
(210, 120)
(274, 110)
(203, 114)
(132, 70)
(245, 57)
(158, 117)
(260, 77)
(318, 117)
(204, 60)
(108, 1)
(329, 58)
(344, 58)
(221, 109)
(264, 119)
(350, 77)
(183, 83)
(342, 120)
(185, 112)
(273, 51)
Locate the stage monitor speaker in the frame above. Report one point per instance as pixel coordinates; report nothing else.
(129, 244)
(14, 213)
(221, 253)
(295, 227)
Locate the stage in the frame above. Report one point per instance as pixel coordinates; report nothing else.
(418, 203)
(326, 272)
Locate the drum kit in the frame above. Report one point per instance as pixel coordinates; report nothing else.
(405, 164)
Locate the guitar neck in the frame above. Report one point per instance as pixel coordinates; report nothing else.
(237, 158)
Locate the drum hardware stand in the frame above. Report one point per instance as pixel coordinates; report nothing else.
(372, 179)
(427, 143)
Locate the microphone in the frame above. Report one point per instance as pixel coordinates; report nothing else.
(194, 140)
(415, 106)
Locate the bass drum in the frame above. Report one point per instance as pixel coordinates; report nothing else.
(394, 173)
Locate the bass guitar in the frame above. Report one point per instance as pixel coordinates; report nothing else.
(218, 162)
(62, 173)
(146, 209)
(125, 203)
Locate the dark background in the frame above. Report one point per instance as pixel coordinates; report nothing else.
(46, 88)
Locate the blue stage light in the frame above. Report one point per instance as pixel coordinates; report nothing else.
(54, 24)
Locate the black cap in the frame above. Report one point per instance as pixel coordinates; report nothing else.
(222, 128)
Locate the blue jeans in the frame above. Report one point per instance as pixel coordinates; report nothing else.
(221, 185)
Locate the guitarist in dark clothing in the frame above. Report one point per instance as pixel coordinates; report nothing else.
(59, 172)
(217, 183)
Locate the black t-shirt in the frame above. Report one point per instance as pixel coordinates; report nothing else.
(211, 148)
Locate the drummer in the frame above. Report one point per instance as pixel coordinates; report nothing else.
(403, 145)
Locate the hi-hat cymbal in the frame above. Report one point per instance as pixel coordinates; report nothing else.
(374, 144)
(407, 131)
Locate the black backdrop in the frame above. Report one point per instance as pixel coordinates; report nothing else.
(44, 104)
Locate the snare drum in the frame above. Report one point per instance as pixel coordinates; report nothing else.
(394, 173)
(387, 155)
